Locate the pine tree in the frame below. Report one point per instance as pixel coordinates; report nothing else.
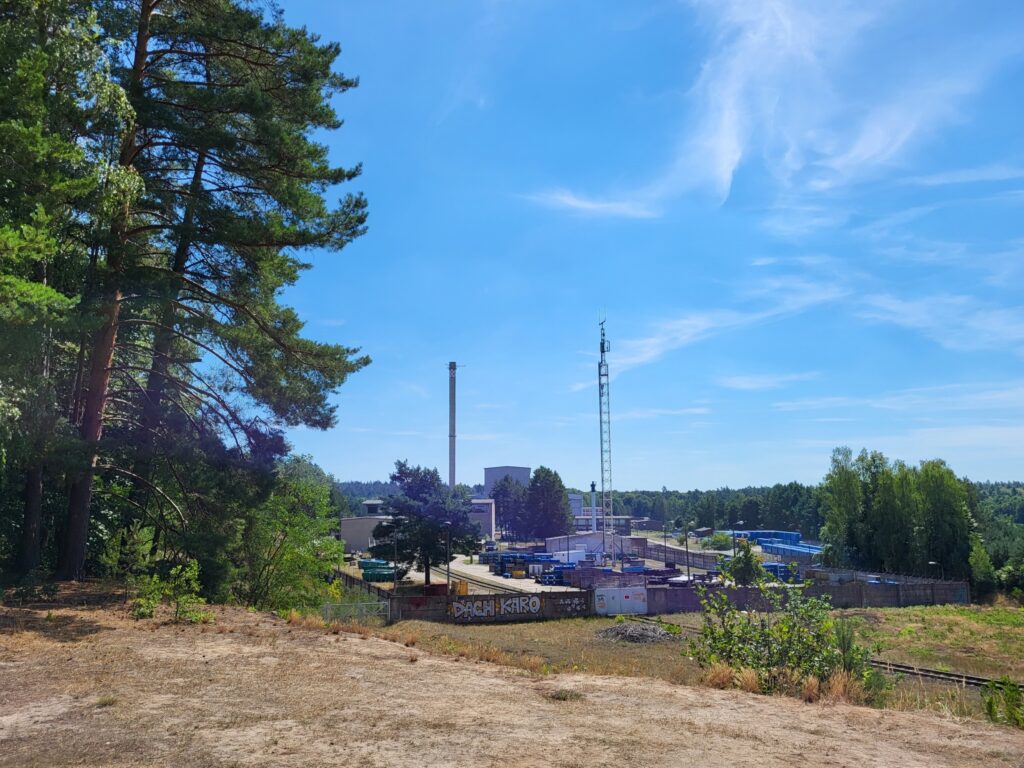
(225, 101)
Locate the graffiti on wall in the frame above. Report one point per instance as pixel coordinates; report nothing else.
(495, 607)
(569, 605)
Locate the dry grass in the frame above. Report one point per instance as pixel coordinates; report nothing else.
(844, 688)
(957, 702)
(810, 689)
(746, 680)
(718, 676)
(549, 647)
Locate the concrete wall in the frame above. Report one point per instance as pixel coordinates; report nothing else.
(611, 601)
(422, 608)
(483, 516)
(858, 594)
(356, 532)
(851, 595)
(490, 609)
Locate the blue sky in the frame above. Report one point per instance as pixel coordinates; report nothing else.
(802, 222)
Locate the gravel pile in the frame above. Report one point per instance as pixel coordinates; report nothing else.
(636, 632)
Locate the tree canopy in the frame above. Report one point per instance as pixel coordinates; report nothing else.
(426, 516)
(160, 182)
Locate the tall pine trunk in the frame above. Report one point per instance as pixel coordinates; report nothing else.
(31, 528)
(76, 536)
(163, 340)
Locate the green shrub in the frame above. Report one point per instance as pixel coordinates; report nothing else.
(1004, 702)
(791, 637)
(33, 588)
(149, 593)
(180, 588)
(718, 541)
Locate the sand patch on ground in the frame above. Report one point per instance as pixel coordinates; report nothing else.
(89, 686)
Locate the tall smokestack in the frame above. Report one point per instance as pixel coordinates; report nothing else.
(451, 425)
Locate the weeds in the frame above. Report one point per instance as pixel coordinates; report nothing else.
(810, 690)
(718, 675)
(746, 680)
(1003, 702)
(180, 589)
(565, 694)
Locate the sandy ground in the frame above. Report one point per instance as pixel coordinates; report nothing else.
(89, 686)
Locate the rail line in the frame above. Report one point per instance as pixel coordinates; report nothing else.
(488, 585)
(891, 667)
(932, 674)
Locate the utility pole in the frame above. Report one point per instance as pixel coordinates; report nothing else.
(606, 432)
(451, 425)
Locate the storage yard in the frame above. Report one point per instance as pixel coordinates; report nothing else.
(597, 573)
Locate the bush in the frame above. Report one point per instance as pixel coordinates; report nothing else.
(718, 541)
(793, 639)
(1004, 702)
(180, 588)
(33, 588)
(149, 593)
(746, 568)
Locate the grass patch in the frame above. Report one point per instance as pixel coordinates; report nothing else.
(106, 700)
(546, 647)
(565, 694)
(973, 639)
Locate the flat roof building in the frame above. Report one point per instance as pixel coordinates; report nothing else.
(494, 474)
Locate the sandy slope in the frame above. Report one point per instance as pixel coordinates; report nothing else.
(91, 687)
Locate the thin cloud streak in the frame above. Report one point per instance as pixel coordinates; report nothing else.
(790, 295)
(563, 199)
(776, 88)
(980, 174)
(1002, 397)
(757, 382)
(957, 322)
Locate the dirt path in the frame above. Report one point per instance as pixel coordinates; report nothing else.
(90, 687)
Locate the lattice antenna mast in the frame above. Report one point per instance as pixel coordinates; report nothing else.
(606, 433)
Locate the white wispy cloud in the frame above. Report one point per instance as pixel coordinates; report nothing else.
(416, 389)
(958, 322)
(563, 199)
(1001, 397)
(762, 381)
(783, 85)
(777, 297)
(978, 174)
(643, 414)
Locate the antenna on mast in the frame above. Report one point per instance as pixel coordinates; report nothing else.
(606, 435)
(451, 424)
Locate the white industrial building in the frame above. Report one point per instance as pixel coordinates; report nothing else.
(494, 474)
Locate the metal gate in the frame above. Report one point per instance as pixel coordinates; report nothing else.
(342, 611)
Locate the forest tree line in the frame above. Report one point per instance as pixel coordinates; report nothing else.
(159, 184)
(869, 512)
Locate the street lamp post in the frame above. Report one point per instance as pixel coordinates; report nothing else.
(738, 522)
(686, 540)
(664, 539)
(448, 555)
(395, 521)
(942, 571)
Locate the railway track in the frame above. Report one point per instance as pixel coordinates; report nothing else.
(931, 674)
(488, 585)
(891, 667)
